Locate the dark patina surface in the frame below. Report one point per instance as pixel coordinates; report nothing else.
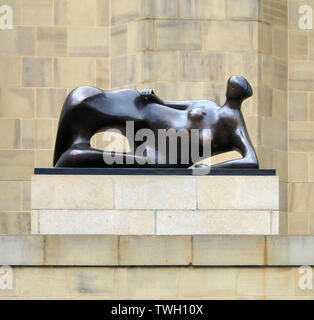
(88, 110)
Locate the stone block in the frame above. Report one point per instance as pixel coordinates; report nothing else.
(72, 192)
(274, 134)
(18, 41)
(243, 9)
(37, 12)
(125, 70)
(52, 41)
(301, 198)
(179, 90)
(200, 66)
(123, 12)
(299, 45)
(155, 192)
(169, 35)
(298, 166)
(214, 222)
(163, 8)
(280, 42)
(96, 222)
(13, 223)
(238, 192)
(102, 13)
(16, 164)
(66, 283)
(37, 134)
(49, 102)
(10, 131)
(290, 250)
(301, 136)
(10, 72)
(311, 167)
(140, 36)
(298, 106)
(279, 282)
(43, 158)
(210, 9)
(160, 66)
(21, 250)
(102, 73)
(155, 250)
(251, 282)
(17, 102)
(81, 250)
(88, 42)
(301, 75)
(119, 40)
(227, 36)
(75, 12)
(10, 196)
(228, 250)
(26, 195)
(74, 72)
(207, 282)
(36, 72)
(145, 283)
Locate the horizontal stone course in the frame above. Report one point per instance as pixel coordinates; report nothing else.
(156, 283)
(155, 192)
(102, 250)
(155, 250)
(72, 192)
(96, 222)
(238, 192)
(155, 204)
(215, 222)
(228, 250)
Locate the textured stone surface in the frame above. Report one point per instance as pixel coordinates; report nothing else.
(213, 222)
(72, 192)
(104, 250)
(155, 192)
(228, 250)
(21, 250)
(238, 192)
(290, 250)
(155, 250)
(157, 283)
(96, 222)
(81, 250)
(69, 283)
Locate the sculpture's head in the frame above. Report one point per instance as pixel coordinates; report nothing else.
(238, 88)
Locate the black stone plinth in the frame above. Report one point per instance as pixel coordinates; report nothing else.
(154, 171)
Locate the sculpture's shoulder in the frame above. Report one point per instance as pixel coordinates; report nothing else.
(124, 92)
(80, 94)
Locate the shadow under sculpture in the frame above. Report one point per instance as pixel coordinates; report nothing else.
(88, 110)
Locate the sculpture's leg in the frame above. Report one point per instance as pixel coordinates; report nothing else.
(89, 157)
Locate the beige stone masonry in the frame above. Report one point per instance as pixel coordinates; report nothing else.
(103, 250)
(155, 205)
(216, 222)
(72, 192)
(129, 222)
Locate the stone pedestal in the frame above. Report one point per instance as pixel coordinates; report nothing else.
(160, 204)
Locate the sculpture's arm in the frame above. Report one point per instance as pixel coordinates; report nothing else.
(243, 144)
(149, 95)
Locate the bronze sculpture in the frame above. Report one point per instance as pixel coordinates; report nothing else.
(88, 110)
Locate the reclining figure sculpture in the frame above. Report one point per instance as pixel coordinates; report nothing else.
(88, 110)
